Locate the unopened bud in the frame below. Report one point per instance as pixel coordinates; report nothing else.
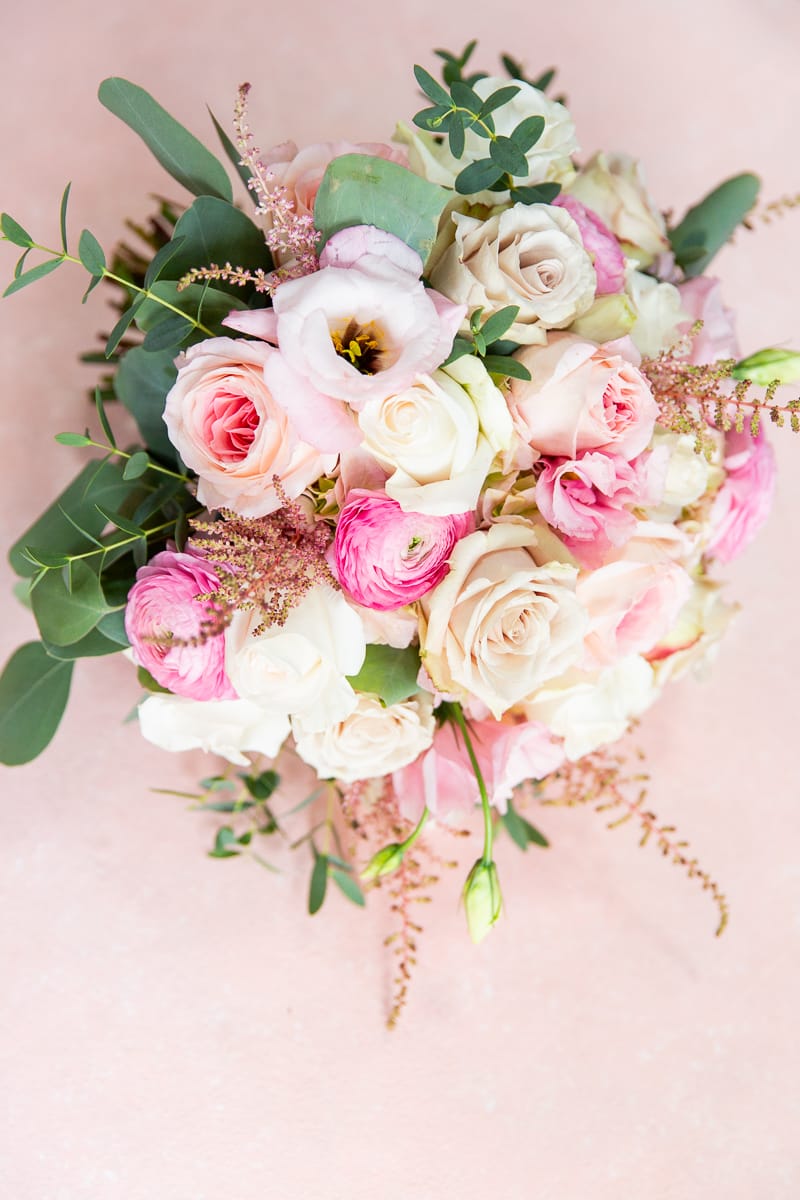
(609, 318)
(769, 366)
(483, 900)
(387, 860)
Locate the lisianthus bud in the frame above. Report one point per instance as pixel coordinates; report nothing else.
(768, 366)
(483, 900)
(385, 862)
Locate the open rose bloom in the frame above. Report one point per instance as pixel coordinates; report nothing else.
(437, 480)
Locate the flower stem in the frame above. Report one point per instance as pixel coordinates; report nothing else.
(416, 831)
(488, 827)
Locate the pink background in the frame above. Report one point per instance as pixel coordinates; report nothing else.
(175, 1027)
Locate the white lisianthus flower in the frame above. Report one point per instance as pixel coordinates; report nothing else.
(224, 727)
(300, 666)
(659, 313)
(593, 710)
(373, 740)
(531, 256)
(499, 624)
(439, 437)
(613, 186)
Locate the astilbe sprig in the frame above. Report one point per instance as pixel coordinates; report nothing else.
(604, 781)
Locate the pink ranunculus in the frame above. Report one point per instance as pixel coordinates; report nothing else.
(631, 606)
(165, 621)
(227, 426)
(702, 300)
(385, 557)
(743, 503)
(301, 171)
(599, 242)
(589, 499)
(582, 397)
(508, 753)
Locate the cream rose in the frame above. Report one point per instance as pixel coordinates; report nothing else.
(689, 475)
(225, 424)
(299, 667)
(374, 739)
(582, 397)
(693, 641)
(659, 313)
(224, 727)
(439, 437)
(500, 624)
(613, 186)
(531, 256)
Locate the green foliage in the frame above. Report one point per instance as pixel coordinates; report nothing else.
(453, 64)
(388, 673)
(68, 604)
(521, 831)
(93, 645)
(319, 882)
(487, 343)
(358, 189)
(91, 253)
(34, 689)
(708, 225)
(234, 156)
(141, 383)
(13, 231)
(348, 886)
(179, 152)
(213, 231)
(35, 273)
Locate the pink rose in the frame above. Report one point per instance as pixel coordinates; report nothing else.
(164, 621)
(631, 607)
(588, 498)
(508, 753)
(599, 243)
(743, 503)
(227, 426)
(582, 397)
(385, 557)
(301, 171)
(702, 300)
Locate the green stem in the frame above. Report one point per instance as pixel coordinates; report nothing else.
(125, 541)
(151, 466)
(417, 830)
(488, 827)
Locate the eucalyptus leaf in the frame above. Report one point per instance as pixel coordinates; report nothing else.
(319, 883)
(358, 189)
(38, 272)
(497, 99)
(136, 465)
(93, 645)
(159, 261)
(521, 830)
(497, 364)
(34, 689)
(215, 304)
(709, 224)
(13, 231)
(528, 132)
(234, 157)
(141, 383)
(541, 193)
(431, 87)
(388, 673)
(62, 217)
(168, 334)
(91, 254)
(122, 326)
(212, 231)
(478, 176)
(65, 615)
(179, 152)
(508, 156)
(348, 886)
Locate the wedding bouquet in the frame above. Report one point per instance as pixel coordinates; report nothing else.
(439, 445)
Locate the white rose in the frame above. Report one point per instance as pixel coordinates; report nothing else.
(439, 437)
(373, 740)
(613, 186)
(689, 474)
(548, 159)
(590, 711)
(299, 667)
(693, 642)
(659, 313)
(224, 727)
(531, 256)
(500, 624)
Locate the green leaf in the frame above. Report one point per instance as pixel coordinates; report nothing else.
(521, 830)
(478, 176)
(207, 304)
(431, 87)
(112, 626)
(168, 334)
(499, 323)
(104, 421)
(14, 232)
(212, 231)
(34, 689)
(348, 886)
(501, 364)
(65, 615)
(233, 156)
(93, 645)
(122, 326)
(62, 217)
(460, 347)
(54, 533)
(528, 132)
(542, 193)
(141, 383)
(261, 786)
(358, 189)
(91, 254)
(136, 465)
(146, 681)
(92, 285)
(712, 222)
(222, 842)
(179, 152)
(121, 522)
(498, 99)
(434, 118)
(73, 439)
(388, 673)
(159, 261)
(463, 95)
(544, 80)
(319, 883)
(31, 276)
(455, 137)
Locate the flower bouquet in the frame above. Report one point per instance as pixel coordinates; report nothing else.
(438, 447)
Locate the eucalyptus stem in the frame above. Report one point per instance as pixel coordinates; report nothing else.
(151, 466)
(488, 826)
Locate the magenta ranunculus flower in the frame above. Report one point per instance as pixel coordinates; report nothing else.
(164, 618)
(599, 243)
(385, 557)
(743, 503)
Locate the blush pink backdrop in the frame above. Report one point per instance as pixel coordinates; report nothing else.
(173, 1028)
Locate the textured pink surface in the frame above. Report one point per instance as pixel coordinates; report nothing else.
(179, 1028)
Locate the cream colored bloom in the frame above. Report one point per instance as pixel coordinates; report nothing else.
(374, 739)
(531, 256)
(659, 313)
(500, 624)
(613, 186)
(224, 727)
(693, 642)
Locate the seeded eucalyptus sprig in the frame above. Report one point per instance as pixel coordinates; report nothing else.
(488, 345)
(458, 108)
